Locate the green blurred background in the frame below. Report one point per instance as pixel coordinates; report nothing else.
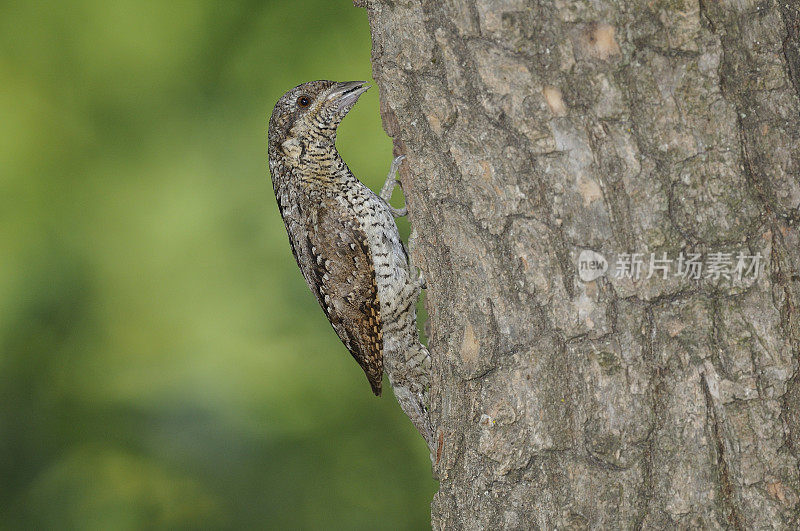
(162, 362)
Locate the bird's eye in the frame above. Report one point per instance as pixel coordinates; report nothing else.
(303, 101)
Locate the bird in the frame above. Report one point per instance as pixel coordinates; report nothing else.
(346, 243)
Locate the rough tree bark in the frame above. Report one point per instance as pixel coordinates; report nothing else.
(535, 130)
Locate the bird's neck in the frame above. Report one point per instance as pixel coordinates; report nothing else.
(321, 164)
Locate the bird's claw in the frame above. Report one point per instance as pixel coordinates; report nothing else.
(388, 187)
(420, 281)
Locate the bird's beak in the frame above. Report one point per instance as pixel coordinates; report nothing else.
(346, 94)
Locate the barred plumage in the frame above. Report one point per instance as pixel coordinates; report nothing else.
(346, 242)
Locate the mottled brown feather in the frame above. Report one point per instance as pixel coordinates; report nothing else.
(344, 277)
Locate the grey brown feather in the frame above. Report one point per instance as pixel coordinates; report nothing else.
(346, 242)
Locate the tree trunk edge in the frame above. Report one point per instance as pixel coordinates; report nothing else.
(476, 465)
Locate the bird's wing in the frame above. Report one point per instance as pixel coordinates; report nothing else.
(341, 273)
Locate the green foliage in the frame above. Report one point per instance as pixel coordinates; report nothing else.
(162, 362)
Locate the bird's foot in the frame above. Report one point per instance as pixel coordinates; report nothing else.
(420, 280)
(388, 187)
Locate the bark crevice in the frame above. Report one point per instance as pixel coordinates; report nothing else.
(535, 131)
(727, 489)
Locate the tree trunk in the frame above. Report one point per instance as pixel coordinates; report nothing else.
(546, 135)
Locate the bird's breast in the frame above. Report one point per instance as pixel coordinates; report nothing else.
(388, 256)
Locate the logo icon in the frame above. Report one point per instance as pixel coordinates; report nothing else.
(591, 265)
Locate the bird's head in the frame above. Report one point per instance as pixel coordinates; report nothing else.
(311, 112)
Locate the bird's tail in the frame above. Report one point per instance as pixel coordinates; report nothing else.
(410, 379)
